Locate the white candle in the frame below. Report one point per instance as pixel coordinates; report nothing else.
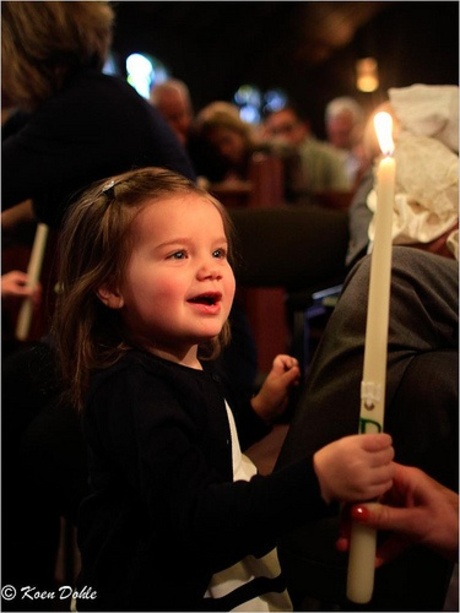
(360, 580)
(33, 276)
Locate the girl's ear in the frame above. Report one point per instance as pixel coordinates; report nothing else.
(111, 298)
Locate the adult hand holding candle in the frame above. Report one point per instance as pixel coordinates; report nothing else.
(360, 580)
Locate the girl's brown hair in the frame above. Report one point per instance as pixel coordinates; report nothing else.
(44, 42)
(94, 247)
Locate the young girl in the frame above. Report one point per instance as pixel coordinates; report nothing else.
(178, 519)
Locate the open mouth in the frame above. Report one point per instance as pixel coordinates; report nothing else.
(207, 299)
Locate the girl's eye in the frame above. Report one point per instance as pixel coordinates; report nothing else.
(220, 253)
(177, 255)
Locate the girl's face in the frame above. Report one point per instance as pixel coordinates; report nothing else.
(178, 285)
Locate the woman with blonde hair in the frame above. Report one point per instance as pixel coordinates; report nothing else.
(83, 125)
(221, 131)
(45, 44)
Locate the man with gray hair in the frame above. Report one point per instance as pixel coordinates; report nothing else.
(344, 120)
(172, 99)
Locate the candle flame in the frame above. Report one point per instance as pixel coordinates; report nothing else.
(383, 123)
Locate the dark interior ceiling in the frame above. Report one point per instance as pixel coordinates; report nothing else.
(307, 48)
(313, 30)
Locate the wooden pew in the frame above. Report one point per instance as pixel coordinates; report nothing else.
(264, 306)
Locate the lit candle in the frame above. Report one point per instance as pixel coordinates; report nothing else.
(360, 580)
(33, 275)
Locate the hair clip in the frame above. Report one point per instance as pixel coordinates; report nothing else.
(108, 186)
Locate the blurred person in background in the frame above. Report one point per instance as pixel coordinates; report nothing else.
(82, 125)
(344, 122)
(319, 167)
(229, 139)
(172, 99)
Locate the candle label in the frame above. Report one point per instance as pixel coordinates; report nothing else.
(367, 426)
(371, 393)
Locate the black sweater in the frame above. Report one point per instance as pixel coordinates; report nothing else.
(165, 514)
(97, 126)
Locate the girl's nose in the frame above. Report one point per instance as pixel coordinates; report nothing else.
(209, 269)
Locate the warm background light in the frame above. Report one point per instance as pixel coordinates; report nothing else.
(367, 79)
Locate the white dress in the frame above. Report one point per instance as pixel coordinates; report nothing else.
(249, 568)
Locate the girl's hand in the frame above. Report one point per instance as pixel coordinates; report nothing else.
(355, 468)
(272, 399)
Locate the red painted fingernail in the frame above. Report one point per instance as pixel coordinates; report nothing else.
(360, 513)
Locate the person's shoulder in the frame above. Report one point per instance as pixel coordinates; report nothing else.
(100, 89)
(95, 80)
(327, 149)
(88, 98)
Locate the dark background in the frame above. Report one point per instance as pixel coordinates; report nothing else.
(309, 49)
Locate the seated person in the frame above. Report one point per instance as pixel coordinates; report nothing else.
(319, 167)
(422, 370)
(223, 148)
(421, 415)
(74, 113)
(344, 122)
(219, 129)
(172, 99)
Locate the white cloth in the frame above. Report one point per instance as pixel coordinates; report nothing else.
(230, 579)
(426, 189)
(428, 110)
